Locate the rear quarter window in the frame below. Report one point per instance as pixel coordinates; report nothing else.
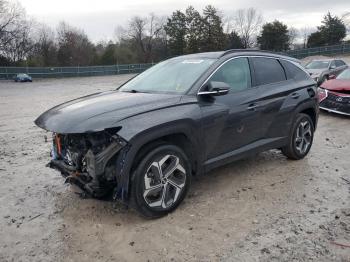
(267, 71)
(339, 63)
(293, 71)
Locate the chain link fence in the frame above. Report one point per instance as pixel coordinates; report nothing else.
(322, 50)
(44, 72)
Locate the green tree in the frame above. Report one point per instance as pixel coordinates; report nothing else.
(274, 36)
(194, 37)
(331, 32)
(108, 57)
(213, 35)
(316, 39)
(176, 30)
(234, 41)
(333, 29)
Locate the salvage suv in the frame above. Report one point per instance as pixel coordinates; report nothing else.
(145, 140)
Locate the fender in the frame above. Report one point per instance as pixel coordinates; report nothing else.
(309, 104)
(145, 128)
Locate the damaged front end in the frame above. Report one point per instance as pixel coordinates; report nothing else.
(88, 160)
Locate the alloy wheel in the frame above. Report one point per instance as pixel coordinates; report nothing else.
(164, 181)
(303, 137)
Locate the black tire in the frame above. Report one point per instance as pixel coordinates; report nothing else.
(165, 197)
(295, 149)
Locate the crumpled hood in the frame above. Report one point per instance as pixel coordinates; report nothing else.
(337, 85)
(101, 110)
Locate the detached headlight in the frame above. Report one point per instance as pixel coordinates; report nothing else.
(322, 94)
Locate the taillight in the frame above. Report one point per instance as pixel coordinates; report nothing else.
(322, 94)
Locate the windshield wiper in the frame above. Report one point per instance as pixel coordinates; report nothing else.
(131, 91)
(136, 91)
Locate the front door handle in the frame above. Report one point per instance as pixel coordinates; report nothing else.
(252, 107)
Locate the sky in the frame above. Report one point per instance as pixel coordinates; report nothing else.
(100, 18)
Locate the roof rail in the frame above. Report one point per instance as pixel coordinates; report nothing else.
(250, 50)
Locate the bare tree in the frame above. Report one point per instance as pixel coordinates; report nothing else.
(74, 46)
(346, 19)
(44, 52)
(143, 31)
(137, 31)
(120, 33)
(15, 31)
(21, 44)
(304, 34)
(228, 24)
(9, 17)
(247, 23)
(293, 34)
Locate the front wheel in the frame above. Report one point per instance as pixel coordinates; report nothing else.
(300, 139)
(161, 181)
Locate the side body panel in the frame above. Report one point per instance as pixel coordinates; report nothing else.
(145, 128)
(228, 122)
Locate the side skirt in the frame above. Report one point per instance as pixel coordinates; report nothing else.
(245, 151)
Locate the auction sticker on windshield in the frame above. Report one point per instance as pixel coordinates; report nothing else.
(192, 61)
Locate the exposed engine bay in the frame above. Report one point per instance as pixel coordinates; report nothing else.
(87, 160)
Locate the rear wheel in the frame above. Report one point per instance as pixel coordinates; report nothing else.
(300, 138)
(161, 181)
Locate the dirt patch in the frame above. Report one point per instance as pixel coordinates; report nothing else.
(264, 208)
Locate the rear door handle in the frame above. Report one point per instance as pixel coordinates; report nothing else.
(295, 95)
(252, 107)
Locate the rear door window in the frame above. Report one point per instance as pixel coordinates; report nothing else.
(267, 71)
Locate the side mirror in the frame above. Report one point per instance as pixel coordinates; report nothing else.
(215, 89)
(333, 67)
(331, 77)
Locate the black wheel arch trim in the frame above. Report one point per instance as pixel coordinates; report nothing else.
(308, 105)
(126, 157)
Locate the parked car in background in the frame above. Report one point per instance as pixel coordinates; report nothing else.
(334, 94)
(182, 117)
(322, 70)
(23, 78)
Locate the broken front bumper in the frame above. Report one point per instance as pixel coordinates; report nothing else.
(95, 167)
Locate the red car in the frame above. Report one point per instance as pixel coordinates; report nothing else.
(334, 94)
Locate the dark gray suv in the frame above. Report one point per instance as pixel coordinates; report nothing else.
(144, 141)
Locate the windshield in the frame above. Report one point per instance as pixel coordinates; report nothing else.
(175, 75)
(317, 65)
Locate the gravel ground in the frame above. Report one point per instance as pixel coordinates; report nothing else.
(265, 208)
